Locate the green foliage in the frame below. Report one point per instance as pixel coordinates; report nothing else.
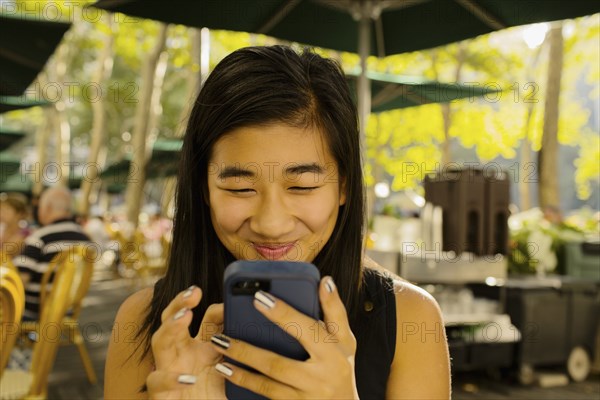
(391, 138)
(588, 165)
(495, 126)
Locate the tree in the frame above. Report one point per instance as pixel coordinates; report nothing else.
(460, 57)
(99, 126)
(193, 80)
(547, 156)
(142, 148)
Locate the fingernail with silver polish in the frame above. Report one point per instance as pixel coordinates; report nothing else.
(180, 313)
(186, 379)
(189, 291)
(221, 340)
(329, 285)
(224, 369)
(265, 299)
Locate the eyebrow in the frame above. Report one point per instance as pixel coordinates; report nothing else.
(235, 171)
(298, 169)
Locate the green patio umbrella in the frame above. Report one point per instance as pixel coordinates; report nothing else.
(16, 183)
(117, 171)
(390, 92)
(9, 172)
(12, 103)
(165, 158)
(166, 149)
(22, 183)
(8, 138)
(164, 162)
(394, 26)
(25, 46)
(9, 164)
(376, 27)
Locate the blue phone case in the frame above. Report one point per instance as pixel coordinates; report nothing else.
(296, 283)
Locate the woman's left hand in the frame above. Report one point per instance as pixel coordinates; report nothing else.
(327, 373)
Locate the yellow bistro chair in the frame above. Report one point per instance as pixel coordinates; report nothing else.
(32, 384)
(12, 301)
(83, 258)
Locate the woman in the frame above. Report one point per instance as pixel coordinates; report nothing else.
(13, 224)
(271, 169)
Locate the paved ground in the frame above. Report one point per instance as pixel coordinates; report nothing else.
(68, 380)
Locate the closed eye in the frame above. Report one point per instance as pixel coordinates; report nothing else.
(240, 190)
(303, 188)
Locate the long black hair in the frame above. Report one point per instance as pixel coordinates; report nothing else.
(256, 86)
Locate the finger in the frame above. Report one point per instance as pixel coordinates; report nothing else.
(275, 366)
(334, 311)
(172, 335)
(188, 298)
(257, 383)
(164, 381)
(335, 315)
(306, 330)
(212, 323)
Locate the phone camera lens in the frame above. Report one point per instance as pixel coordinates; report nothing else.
(250, 286)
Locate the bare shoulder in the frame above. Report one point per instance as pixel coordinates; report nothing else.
(130, 317)
(421, 366)
(410, 299)
(415, 304)
(130, 309)
(126, 369)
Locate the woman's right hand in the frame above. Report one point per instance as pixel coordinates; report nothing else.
(184, 366)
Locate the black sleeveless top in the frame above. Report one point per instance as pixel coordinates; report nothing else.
(375, 330)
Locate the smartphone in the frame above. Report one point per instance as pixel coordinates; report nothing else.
(296, 283)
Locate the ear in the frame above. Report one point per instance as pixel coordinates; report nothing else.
(342, 191)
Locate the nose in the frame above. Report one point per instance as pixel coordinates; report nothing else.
(272, 218)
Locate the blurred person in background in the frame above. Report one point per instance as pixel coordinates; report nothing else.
(95, 228)
(58, 232)
(13, 224)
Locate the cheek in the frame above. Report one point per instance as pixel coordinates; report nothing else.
(227, 216)
(321, 213)
(7, 215)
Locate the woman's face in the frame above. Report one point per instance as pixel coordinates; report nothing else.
(8, 214)
(274, 192)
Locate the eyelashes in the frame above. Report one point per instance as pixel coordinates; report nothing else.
(241, 191)
(303, 188)
(300, 189)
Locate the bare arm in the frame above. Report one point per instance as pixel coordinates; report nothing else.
(421, 366)
(125, 374)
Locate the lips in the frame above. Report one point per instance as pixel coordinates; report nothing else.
(274, 251)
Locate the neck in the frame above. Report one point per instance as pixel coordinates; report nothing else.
(57, 217)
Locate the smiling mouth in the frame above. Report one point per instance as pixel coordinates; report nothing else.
(272, 251)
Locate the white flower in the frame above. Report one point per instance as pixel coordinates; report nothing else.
(540, 249)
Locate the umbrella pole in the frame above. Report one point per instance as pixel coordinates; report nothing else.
(364, 87)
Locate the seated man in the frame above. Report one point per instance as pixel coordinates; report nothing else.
(58, 232)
